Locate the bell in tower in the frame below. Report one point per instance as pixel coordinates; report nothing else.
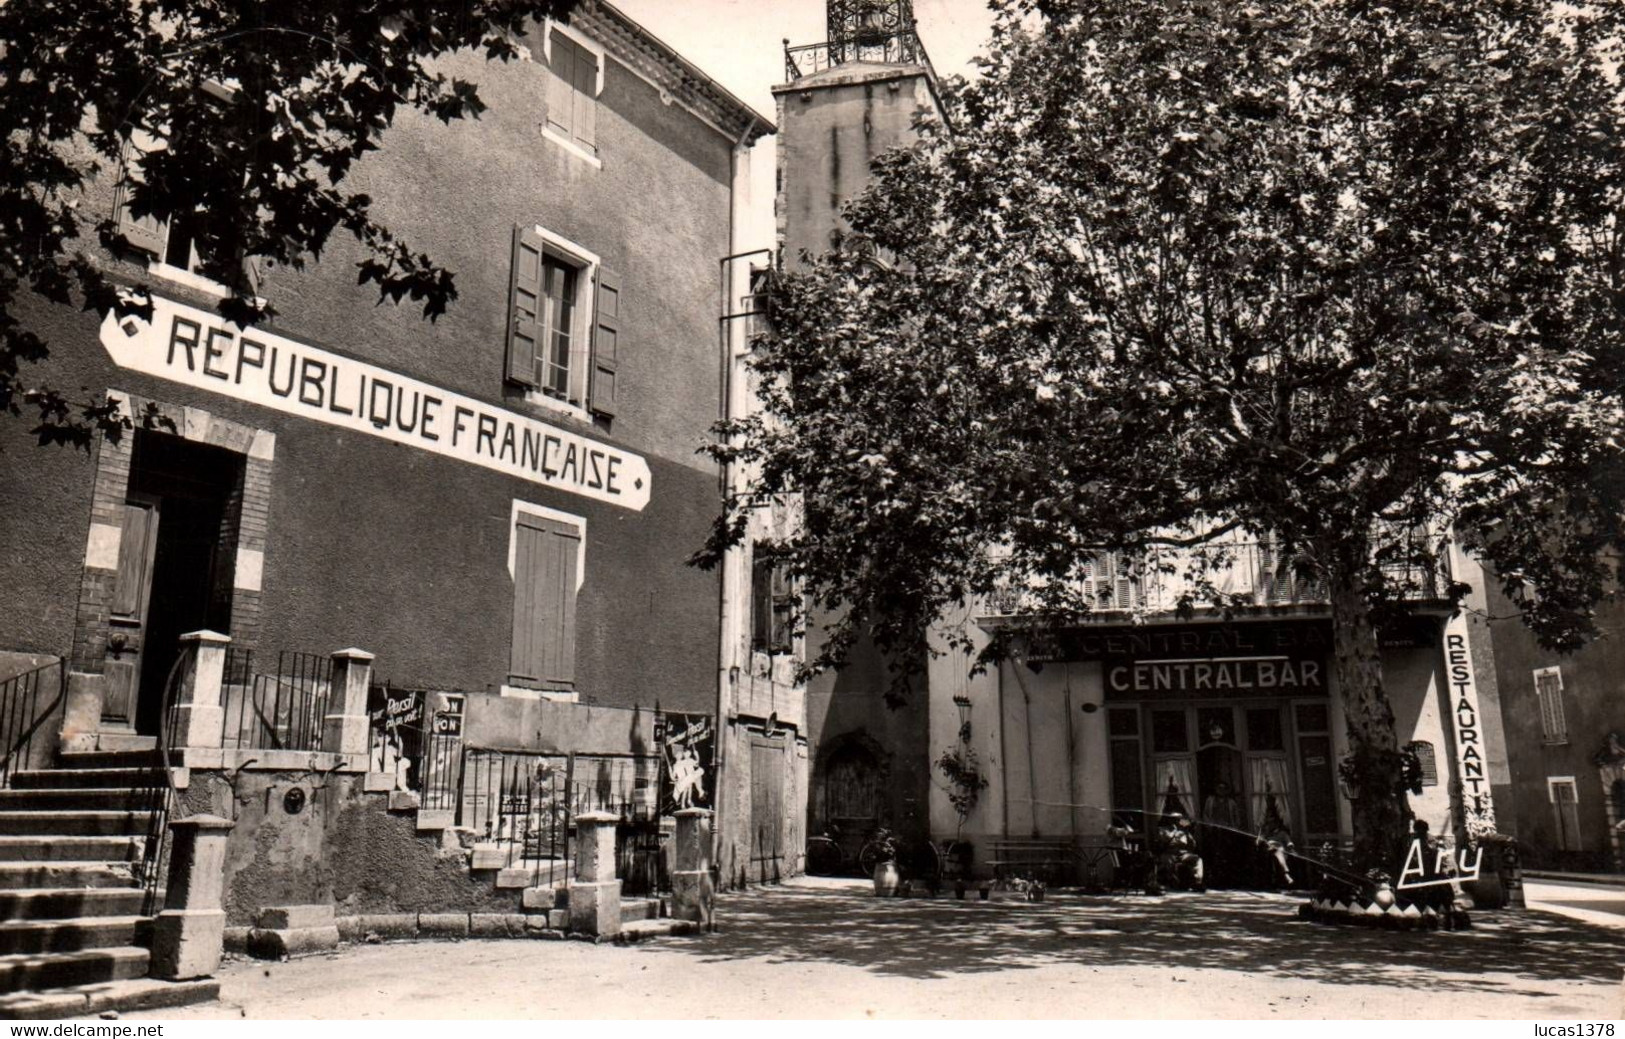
(872, 30)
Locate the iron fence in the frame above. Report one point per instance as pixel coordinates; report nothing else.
(27, 702)
(280, 711)
(525, 805)
(158, 796)
(899, 49)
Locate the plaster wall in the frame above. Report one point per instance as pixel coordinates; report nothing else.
(404, 552)
(832, 125)
(343, 848)
(1593, 708)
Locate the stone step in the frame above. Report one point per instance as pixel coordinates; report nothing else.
(107, 997)
(56, 848)
(73, 934)
(639, 930)
(79, 778)
(95, 798)
(57, 903)
(14, 875)
(640, 909)
(90, 759)
(132, 824)
(32, 972)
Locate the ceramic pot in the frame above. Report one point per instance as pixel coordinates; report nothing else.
(886, 879)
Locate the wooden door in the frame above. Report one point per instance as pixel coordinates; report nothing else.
(767, 808)
(127, 613)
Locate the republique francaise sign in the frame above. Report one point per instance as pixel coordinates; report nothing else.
(197, 348)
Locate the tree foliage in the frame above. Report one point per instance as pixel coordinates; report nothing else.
(263, 109)
(1340, 273)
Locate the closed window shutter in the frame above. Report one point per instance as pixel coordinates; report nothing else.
(584, 124)
(561, 85)
(147, 233)
(544, 607)
(761, 605)
(524, 305)
(606, 346)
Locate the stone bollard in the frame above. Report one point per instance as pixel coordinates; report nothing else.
(692, 888)
(188, 936)
(344, 730)
(595, 894)
(199, 715)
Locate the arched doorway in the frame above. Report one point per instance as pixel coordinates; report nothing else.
(851, 791)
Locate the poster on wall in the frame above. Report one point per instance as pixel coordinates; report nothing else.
(687, 745)
(396, 731)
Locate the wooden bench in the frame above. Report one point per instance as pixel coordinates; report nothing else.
(1052, 860)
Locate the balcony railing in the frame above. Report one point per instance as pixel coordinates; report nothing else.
(1236, 575)
(900, 49)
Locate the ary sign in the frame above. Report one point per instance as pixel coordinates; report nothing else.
(196, 348)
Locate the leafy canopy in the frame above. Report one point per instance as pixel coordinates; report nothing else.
(1336, 270)
(265, 107)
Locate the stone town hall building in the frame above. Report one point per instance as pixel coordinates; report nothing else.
(497, 508)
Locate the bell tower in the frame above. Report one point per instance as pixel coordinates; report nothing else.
(843, 102)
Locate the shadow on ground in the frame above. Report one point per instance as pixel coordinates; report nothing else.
(1250, 932)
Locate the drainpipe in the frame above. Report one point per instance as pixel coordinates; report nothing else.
(732, 334)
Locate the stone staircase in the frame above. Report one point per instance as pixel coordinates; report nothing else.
(74, 933)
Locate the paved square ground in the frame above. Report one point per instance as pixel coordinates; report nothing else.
(829, 949)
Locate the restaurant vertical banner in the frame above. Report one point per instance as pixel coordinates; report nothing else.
(1478, 811)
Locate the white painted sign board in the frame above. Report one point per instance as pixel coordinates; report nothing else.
(199, 349)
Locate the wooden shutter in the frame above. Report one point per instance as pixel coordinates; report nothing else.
(584, 120)
(524, 306)
(761, 606)
(606, 346)
(137, 544)
(544, 601)
(561, 85)
(147, 233)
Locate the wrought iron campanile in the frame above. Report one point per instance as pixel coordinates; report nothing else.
(879, 31)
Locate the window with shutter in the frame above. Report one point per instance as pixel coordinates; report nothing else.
(545, 577)
(1565, 798)
(563, 338)
(572, 93)
(1549, 693)
(772, 598)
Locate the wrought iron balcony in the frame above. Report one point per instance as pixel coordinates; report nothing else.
(902, 49)
(1243, 575)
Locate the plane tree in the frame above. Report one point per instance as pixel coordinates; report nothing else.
(1339, 274)
(268, 108)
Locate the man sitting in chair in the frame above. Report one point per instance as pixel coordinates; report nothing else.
(1178, 860)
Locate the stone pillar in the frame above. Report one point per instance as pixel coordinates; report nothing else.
(187, 937)
(344, 731)
(595, 894)
(199, 715)
(692, 887)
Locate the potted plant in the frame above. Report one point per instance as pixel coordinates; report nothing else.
(963, 772)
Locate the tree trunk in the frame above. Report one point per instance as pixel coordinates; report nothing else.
(1381, 814)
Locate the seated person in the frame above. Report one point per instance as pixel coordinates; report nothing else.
(1177, 857)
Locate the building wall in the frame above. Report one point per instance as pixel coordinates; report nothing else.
(404, 552)
(832, 125)
(1593, 708)
(1040, 733)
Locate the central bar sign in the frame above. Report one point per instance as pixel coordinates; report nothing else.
(196, 348)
